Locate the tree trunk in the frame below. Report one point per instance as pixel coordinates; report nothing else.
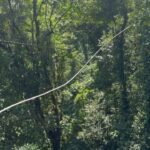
(53, 133)
(120, 60)
(124, 123)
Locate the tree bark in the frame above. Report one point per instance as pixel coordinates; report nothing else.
(124, 120)
(119, 45)
(53, 133)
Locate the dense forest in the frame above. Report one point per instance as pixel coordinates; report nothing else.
(44, 43)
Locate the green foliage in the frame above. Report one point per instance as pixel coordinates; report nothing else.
(43, 43)
(28, 147)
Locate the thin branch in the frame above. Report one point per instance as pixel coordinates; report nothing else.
(60, 18)
(14, 23)
(39, 10)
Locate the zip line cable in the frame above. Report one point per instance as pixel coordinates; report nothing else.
(14, 42)
(66, 83)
